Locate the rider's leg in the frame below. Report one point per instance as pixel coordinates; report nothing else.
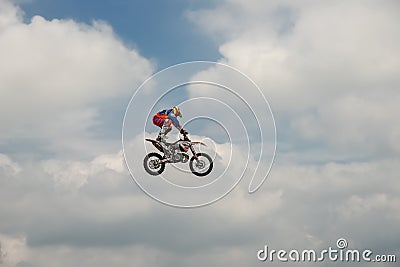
(158, 122)
(165, 129)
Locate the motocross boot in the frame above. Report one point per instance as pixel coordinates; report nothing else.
(162, 136)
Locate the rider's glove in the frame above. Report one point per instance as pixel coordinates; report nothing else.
(183, 131)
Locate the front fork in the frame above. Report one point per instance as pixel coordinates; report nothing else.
(194, 153)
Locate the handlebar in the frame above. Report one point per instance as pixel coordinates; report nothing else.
(185, 137)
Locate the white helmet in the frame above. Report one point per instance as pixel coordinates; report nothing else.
(177, 111)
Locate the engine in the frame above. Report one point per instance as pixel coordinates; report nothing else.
(180, 157)
(176, 152)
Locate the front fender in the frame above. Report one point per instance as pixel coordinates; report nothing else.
(198, 143)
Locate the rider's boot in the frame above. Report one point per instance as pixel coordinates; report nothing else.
(162, 136)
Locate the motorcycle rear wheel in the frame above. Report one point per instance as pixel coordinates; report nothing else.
(152, 163)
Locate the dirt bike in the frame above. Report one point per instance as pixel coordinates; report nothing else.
(200, 164)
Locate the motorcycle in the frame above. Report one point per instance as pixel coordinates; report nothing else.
(200, 164)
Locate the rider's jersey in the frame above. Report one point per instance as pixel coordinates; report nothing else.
(169, 114)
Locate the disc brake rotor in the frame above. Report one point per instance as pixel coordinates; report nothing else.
(200, 164)
(154, 164)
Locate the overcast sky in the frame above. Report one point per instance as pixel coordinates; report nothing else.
(329, 69)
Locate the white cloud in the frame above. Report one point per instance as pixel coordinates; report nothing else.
(330, 70)
(8, 166)
(300, 206)
(331, 73)
(12, 250)
(75, 174)
(17, 253)
(55, 76)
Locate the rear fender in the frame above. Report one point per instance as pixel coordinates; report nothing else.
(156, 144)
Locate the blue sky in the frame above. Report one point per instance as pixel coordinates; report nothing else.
(160, 30)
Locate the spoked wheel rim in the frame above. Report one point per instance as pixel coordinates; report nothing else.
(153, 165)
(199, 164)
(202, 165)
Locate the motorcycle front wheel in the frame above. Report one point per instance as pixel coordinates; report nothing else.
(152, 164)
(201, 166)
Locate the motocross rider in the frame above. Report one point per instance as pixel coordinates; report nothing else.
(164, 119)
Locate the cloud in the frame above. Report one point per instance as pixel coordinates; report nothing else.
(9, 167)
(325, 68)
(301, 206)
(18, 254)
(56, 76)
(75, 174)
(12, 250)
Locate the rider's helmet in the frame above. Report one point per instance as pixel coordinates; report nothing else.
(177, 111)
